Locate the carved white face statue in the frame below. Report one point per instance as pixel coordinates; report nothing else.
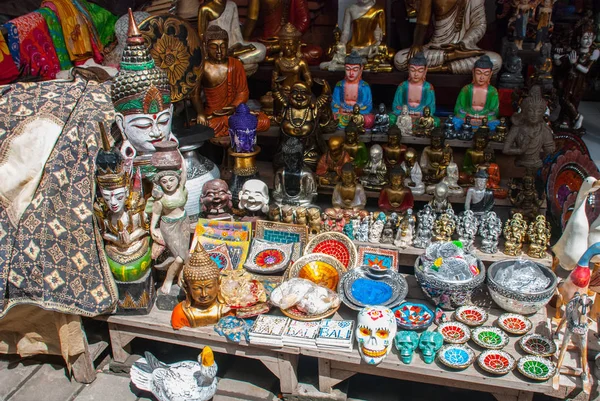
(375, 332)
(115, 198)
(254, 196)
(143, 130)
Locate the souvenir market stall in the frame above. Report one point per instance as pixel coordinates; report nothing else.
(427, 213)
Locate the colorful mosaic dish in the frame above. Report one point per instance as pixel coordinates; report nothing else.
(297, 314)
(334, 244)
(413, 316)
(224, 230)
(496, 362)
(268, 257)
(319, 268)
(378, 257)
(386, 288)
(454, 332)
(489, 337)
(536, 367)
(220, 255)
(456, 356)
(283, 233)
(514, 323)
(538, 345)
(471, 315)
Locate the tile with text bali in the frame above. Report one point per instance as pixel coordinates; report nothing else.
(299, 329)
(336, 329)
(269, 325)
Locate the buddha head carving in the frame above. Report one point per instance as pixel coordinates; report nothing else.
(417, 68)
(479, 141)
(482, 71)
(201, 279)
(254, 196)
(381, 108)
(216, 43)
(215, 196)
(404, 110)
(354, 64)
(394, 135)
(300, 95)
(426, 111)
(356, 109)
(437, 139)
(440, 192)
(481, 178)
(289, 41)
(375, 332)
(533, 108)
(452, 172)
(141, 95)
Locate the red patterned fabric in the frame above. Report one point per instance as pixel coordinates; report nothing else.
(8, 69)
(36, 46)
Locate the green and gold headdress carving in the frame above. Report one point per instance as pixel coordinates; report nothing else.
(140, 86)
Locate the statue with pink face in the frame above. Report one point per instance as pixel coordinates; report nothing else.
(350, 91)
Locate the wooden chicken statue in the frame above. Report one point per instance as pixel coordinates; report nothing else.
(180, 381)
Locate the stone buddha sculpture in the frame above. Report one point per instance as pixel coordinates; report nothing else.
(363, 32)
(224, 84)
(415, 92)
(350, 91)
(435, 158)
(414, 179)
(294, 184)
(375, 172)
(329, 168)
(202, 305)
(478, 99)
(224, 14)
(356, 149)
(474, 157)
(393, 150)
(479, 199)
(458, 26)
(289, 67)
(395, 197)
(348, 194)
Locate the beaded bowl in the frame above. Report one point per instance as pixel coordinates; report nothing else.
(454, 332)
(456, 356)
(536, 367)
(537, 345)
(489, 337)
(514, 323)
(496, 362)
(471, 315)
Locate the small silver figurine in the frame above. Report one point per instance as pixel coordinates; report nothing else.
(490, 229)
(426, 218)
(467, 229)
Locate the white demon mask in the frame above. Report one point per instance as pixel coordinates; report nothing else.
(375, 332)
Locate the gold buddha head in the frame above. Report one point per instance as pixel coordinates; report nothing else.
(417, 68)
(394, 135)
(482, 71)
(354, 64)
(397, 178)
(479, 141)
(426, 111)
(216, 43)
(348, 175)
(300, 95)
(356, 109)
(201, 279)
(289, 41)
(410, 157)
(335, 145)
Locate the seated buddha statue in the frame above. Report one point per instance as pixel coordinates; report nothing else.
(415, 92)
(493, 171)
(474, 157)
(375, 172)
(224, 83)
(329, 168)
(393, 150)
(478, 99)
(479, 199)
(224, 14)
(424, 124)
(350, 91)
(435, 158)
(348, 194)
(294, 184)
(202, 306)
(395, 197)
(289, 67)
(414, 179)
(357, 150)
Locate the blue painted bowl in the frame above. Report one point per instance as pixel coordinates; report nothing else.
(413, 316)
(456, 356)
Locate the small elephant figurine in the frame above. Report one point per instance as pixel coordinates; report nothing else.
(429, 344)
(406, 342)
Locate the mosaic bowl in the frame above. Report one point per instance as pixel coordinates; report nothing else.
(489, 337)
(536, 367)
(471, 315)
(319, 268)
(516, 301)
(448, 295)
(334, 244)
(413, 316)
(514, 323)
(496, 362)
(454, 332)
(456, 356)
(537, 345)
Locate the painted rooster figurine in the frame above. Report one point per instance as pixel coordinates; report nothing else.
(181, 381)
(578, 280)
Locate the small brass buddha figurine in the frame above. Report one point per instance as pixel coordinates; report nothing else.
(424, 124)
(393, 150)
(435, 158)
(515, 230)
(474, 157)
(356, 149)
(314, 220)
(395, 197)
(501, 131)
(539, 237)
(202, 306)
(358, 119)
(414, 179)
(375, 172)
(329, 168)
(444, 227)
(483, 129)
(348, 194)
(525, 198)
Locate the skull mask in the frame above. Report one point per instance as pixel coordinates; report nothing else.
(406, 342)
(375, 331)
(429, 343)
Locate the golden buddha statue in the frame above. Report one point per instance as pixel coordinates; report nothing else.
(501, 131)
(289, 66)
(202, 306)
(358, 119)
(395, 197)
(474, 157)
(424, 124)
(329, 168)
(348, 194)
(357, 150)
(393, 150)
(435, 158)
(539, 237)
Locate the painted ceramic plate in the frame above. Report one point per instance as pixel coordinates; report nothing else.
(364, 288)
(496, 362)
(456, 356)
(471, 315)
(454, 332)
(319, 268)
(413, 316)
(297, 314)
(536, 367)
(268, 257)
(489, 337)
(538, 345)
(334, 244)
(514, 323)
(378, 257)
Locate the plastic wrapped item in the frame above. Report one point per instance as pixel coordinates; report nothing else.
(307, 296)
(523, 276)
(449, 262)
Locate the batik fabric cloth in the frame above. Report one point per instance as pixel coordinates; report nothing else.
(38, 57)
(51, 250)
(58, 38)
(94, 37)
(74, 27)
(13, 43)
(103, 20)
(8, 69)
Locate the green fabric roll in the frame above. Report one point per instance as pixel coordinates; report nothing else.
(103, 20)
(58, 38)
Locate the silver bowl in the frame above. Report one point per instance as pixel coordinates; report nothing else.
(517, 301)
(445, 294)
